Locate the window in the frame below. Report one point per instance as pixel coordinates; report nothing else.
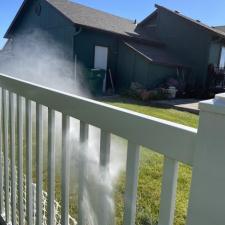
(222, 57)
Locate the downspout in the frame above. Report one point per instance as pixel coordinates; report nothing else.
(75, 55)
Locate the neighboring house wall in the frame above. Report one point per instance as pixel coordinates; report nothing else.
(189, 42)
(150, 27)
(133, 67)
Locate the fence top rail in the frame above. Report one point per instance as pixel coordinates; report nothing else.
(170, 139)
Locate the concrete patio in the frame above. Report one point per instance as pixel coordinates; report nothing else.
(189, 105)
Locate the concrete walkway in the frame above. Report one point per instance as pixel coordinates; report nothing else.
(189, 105)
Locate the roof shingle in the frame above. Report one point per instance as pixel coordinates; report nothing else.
(86, 16)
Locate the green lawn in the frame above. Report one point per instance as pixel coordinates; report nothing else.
(150, 174)
(173, 115)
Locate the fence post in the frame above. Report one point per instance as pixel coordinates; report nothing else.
(207, 197)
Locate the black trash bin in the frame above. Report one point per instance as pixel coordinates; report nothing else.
(96, 80)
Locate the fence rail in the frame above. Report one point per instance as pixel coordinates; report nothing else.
(176, 142)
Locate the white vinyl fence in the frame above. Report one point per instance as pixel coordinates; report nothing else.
(202, 149)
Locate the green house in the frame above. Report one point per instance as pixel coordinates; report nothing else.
(164, 45)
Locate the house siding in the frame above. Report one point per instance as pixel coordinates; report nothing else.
(82, 44)
(84, 48)
(188, 41)
(50, 23)
(133, 67)
(64, 34)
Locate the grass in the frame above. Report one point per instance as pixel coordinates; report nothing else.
(185, 118)
(150, 172)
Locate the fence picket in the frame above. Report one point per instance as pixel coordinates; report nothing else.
(65, 168)
(1, 153)
(13, 166)
(168, 193)
(6, 153)
(84, 128)
(29, 196)
(20, 158)
(51, 166)
(133, 152)
(39, 164)
(104, 208)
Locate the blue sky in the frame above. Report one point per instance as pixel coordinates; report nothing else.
(208, 11)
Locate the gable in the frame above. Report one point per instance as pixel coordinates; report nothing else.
(36, 14)
(19, 19)
(150, 21)
(149, 25)
(77, 14)
(194, 23)
(86, 16)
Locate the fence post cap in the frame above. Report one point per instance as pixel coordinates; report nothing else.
(216, 105)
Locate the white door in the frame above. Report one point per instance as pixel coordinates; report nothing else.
(101, 61)
(101, 57)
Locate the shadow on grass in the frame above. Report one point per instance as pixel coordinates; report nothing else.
(119, 99)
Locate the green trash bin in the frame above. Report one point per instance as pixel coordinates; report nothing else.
(95, 80)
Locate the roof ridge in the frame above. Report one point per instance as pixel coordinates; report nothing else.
(105, 21)
(92, 8)
(219, 26)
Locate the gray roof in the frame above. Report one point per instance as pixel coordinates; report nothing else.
(220, 28)
(157, 55)
(198, 23)
(86, 16)
(92, 18)
(96, 19)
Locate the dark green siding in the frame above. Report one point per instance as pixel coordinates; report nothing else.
(84, 49)
(51, 24)
(59, 28)
(62, 33)
(188, 41)
(141, 70)
(85, 43)
(133, 67)
(159, 74)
